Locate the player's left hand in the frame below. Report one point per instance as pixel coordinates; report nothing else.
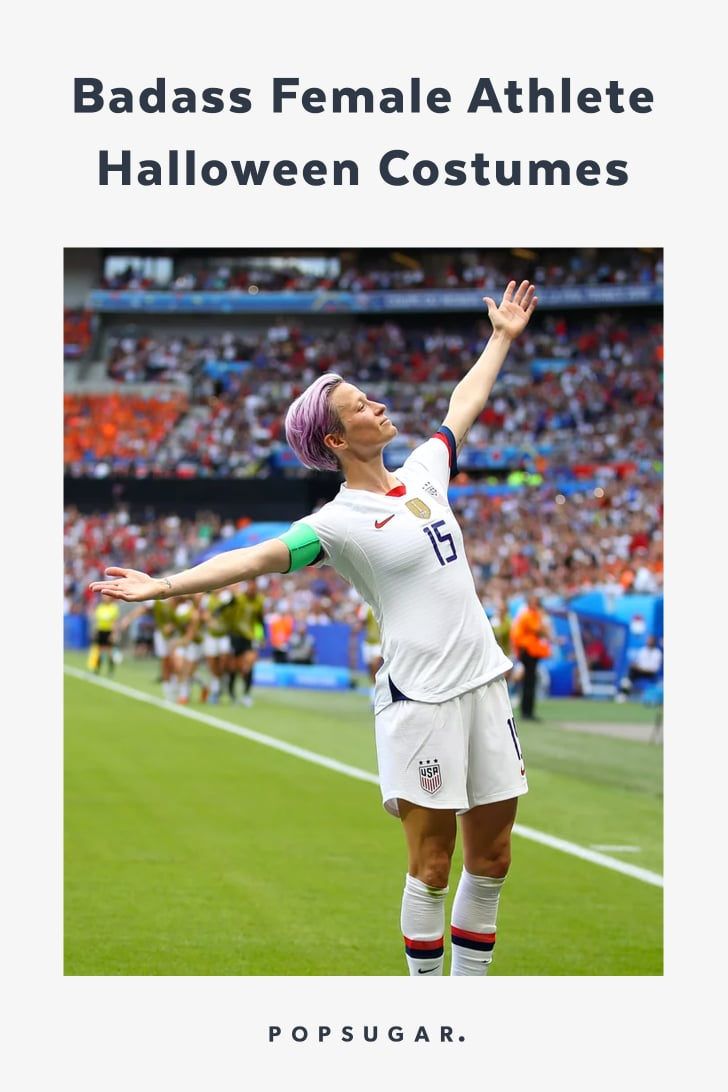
(516, 308)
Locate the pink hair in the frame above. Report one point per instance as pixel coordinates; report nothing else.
(309, 419)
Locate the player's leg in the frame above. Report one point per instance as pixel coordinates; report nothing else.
(248, 663)
(195, 658)
(160, 644)
(421, 755)
(180, 674)
(102, 640)
(212, 669)
(486, 834)
(218, 667)
(496, 777)
(236, 663)
(94, 655)
(528, 694)
(430, 835)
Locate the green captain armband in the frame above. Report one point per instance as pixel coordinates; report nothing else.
(304, 546)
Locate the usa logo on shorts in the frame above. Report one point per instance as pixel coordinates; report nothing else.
(430, 775)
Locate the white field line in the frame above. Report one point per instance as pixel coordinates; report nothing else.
(617, 849)
(352, 771)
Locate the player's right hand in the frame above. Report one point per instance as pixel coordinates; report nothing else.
(129, 585)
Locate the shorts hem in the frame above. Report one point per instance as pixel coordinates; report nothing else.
(390, 805)
(506, 794)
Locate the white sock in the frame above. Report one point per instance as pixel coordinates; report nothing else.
(215, 685)
(423, 926)
(474, 913)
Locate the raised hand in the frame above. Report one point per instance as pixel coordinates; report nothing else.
(129, 585)
(516, 308)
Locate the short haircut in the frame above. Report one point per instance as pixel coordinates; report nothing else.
(309, 419)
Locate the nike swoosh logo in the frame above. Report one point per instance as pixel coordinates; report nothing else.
(428, 971)
(380, 523)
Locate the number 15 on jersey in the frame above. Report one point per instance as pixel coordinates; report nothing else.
(439, 538)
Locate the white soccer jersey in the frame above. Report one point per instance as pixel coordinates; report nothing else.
(403, 552)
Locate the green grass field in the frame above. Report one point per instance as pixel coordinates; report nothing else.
(190, 850)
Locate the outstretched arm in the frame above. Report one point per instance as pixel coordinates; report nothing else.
(228, 567)
(508, 320)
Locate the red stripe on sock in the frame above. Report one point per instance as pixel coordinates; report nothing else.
(484, 938)
(423, 945)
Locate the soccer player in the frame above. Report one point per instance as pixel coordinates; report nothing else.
(186, 647)
(446, 737)
(247, 622)
(216, 638)
(164, 629)
(105, 621)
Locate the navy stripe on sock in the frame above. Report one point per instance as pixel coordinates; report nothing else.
(476, 945)
(424, 953)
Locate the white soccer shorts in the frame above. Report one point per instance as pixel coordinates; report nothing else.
(370, 653)
(216, 646)
(454, 755)
(191, 652)
(161, 645)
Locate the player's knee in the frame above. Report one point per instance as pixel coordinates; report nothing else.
(435, 868)
(495, 862)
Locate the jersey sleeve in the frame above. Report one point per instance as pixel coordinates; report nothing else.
(438, 456)
(314, 540)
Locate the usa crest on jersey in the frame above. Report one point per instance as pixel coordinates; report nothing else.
(430, 775)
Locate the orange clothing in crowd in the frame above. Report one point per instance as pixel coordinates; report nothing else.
(527, 634)
(280, 628)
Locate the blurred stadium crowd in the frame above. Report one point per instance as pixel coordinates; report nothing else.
(589, 387)
(608, 537)
(476, 269)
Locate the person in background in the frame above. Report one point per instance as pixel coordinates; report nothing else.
(530, 634)
(280, 629)
(164, 630)
(216, 620)
(502, 623)
(247, 615)
(645, 667)
(105, 621)
(186, 647)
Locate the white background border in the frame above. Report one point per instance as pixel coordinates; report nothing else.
(210, 1032)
